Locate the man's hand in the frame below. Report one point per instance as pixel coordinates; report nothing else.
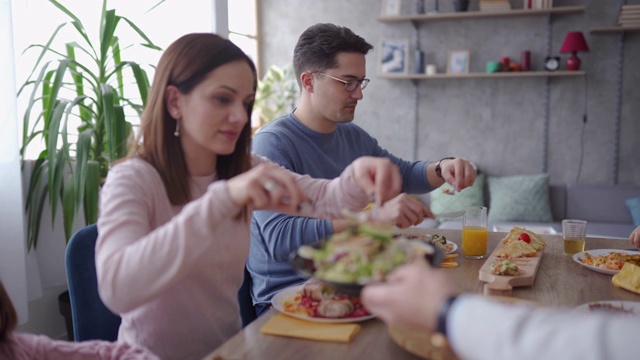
(458, 172)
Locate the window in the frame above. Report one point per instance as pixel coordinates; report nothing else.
(163, 24)
(243, 26)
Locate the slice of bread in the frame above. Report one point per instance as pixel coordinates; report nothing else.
(536, 240)
(517, 249)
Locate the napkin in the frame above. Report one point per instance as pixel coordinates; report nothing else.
(628, 278)
(284, 325)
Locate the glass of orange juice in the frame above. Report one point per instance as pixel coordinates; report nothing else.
(475, 234)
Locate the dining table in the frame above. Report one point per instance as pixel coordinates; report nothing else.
(560, 281)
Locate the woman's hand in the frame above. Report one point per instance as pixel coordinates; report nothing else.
(377, 176)
(403, 211)
(266, 187)
(411, 296)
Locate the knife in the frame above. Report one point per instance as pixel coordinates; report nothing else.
(451, 214)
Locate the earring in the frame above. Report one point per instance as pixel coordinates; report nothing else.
(177, 132)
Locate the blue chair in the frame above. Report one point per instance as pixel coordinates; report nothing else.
(92, 320)
(247, 311)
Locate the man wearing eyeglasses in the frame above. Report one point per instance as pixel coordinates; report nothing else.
(319, 139)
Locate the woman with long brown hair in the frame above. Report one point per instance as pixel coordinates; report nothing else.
(174, 225)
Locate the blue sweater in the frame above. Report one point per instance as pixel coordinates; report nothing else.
(290, 143)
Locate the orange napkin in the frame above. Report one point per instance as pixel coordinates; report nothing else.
(284, 325)
(628, 278)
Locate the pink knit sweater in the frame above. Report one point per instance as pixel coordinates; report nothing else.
(172, 273)
(22, 346)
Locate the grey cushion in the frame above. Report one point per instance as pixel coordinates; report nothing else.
(633, 205)
(520, 198)
(600, 203)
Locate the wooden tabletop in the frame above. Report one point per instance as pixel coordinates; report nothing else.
(560, 281)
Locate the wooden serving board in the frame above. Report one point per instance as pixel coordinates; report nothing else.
(503, 285)
(422, 344)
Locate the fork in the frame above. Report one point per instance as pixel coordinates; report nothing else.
(359, 216)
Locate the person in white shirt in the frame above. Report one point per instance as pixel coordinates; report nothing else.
(477, 327)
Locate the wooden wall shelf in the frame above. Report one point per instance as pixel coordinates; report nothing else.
(480, 14)
(515, 74)
(614, 29)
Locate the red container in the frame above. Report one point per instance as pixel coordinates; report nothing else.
(525, 60)
(505, 63)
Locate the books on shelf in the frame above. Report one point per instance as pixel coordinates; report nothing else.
(537, 4)
(629, 15)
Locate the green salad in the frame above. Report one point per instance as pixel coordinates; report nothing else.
(361, 254)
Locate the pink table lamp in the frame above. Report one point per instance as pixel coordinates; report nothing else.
(573, 43)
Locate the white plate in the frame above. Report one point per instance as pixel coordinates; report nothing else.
(577, 258)
(454, 248)
(634, 306)
(278, 298)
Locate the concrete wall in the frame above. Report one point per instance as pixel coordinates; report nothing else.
(500, 124)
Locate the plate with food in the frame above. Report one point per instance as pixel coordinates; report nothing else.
(611, 307)
(606, 261)
(440, 241)
(362, 254)
(317, 301)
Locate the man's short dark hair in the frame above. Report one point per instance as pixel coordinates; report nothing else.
(318, 46)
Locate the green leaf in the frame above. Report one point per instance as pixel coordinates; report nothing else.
(68, 206)
(55, 183)
(91, 194)
(83, 149)
(141, 80)
(107, 29)
(35, 201)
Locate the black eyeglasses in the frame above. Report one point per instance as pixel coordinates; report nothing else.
(350, 85)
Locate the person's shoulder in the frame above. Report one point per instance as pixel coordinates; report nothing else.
(284, 122)
(134, 164)
(134, 169)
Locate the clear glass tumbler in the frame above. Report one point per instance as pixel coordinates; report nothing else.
(475, 234)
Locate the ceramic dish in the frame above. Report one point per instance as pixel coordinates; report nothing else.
(306, 268)
(578, 258)
(611, 307)
(454, 247)
(281, 296)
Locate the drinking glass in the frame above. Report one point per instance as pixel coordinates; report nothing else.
(475, 234)
(574, 233)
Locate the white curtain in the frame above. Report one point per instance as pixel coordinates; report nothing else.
(12, 250)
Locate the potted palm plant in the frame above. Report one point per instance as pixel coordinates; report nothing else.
(76, 106)
(276, 94)
(83, 85)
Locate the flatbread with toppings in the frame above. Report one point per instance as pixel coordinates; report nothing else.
(516, 233)
(504, 267)
(516, 249)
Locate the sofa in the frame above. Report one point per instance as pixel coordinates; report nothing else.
(531, 201)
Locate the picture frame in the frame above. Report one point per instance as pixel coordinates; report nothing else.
(391, 7)
(394, 56)
(458, 62)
